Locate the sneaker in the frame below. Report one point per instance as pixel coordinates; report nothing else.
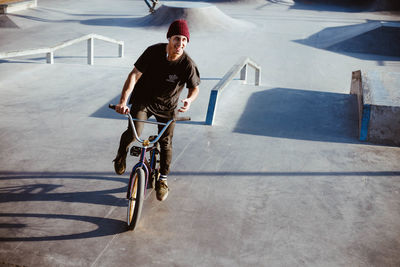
(162, 190)
(120, 164)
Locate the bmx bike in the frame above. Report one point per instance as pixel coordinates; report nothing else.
(145, 173)
(151, 4)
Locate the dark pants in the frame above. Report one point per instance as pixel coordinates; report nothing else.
(165, 141)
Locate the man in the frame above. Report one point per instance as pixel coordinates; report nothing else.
(155, 83)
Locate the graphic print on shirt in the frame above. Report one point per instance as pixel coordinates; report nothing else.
(172, 78)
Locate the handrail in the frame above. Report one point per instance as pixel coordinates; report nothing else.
(240, 66)
(49, 51)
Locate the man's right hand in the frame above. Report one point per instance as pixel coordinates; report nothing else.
(122, 109)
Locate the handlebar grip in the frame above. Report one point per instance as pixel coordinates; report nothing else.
(112, 106)
(183, 119)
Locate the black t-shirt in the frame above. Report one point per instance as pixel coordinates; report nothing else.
(162, 81)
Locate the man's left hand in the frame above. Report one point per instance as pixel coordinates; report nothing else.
(186, 105)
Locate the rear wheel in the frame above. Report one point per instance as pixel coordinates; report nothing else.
(136, 195)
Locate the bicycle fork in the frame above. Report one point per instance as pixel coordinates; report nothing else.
(141, 164)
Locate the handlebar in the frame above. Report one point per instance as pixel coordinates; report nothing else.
(166, 125)
(183, 118)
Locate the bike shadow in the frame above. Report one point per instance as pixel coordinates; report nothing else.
(103, 227)
(41, 196)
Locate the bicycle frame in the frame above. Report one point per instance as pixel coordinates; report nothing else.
(147, 146)
(147, 142)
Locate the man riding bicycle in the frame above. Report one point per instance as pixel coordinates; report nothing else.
(155, 84)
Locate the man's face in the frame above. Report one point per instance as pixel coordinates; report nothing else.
(177, 43)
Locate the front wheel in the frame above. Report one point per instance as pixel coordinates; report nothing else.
(136, 195)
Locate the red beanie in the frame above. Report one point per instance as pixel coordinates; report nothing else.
(179, 27)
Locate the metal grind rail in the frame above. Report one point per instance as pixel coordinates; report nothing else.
(241, 66)
(49, 51)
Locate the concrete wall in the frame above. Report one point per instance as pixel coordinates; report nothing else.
(378, 101)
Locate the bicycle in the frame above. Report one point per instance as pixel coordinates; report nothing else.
(151, 6)
(145, 173)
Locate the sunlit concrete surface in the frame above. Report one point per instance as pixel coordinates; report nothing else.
(280, 179)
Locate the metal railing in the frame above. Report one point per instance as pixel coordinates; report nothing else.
(49, 51)
(241, 66)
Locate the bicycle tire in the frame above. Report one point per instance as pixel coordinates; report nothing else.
(135, 202)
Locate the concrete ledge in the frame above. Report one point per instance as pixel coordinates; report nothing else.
(9, 6)
(378, 98)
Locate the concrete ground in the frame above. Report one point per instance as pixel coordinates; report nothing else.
(280, 179)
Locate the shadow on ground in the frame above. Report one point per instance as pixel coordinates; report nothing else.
(284, 174)
(301, 114)
(36, 191)
(104, 226)
(6, 22)
(33, 191)
(347, 5)
(15, 227)
(105, 112)
(372, 40)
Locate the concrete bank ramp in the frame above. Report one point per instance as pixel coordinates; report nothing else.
(361, 5)
(200, 16)
(375, 37)
(333, 35)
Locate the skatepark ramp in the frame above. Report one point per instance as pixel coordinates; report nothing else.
(367, 5)
(201, 16)
(49, 51)
(373, 37)
(242, 66)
